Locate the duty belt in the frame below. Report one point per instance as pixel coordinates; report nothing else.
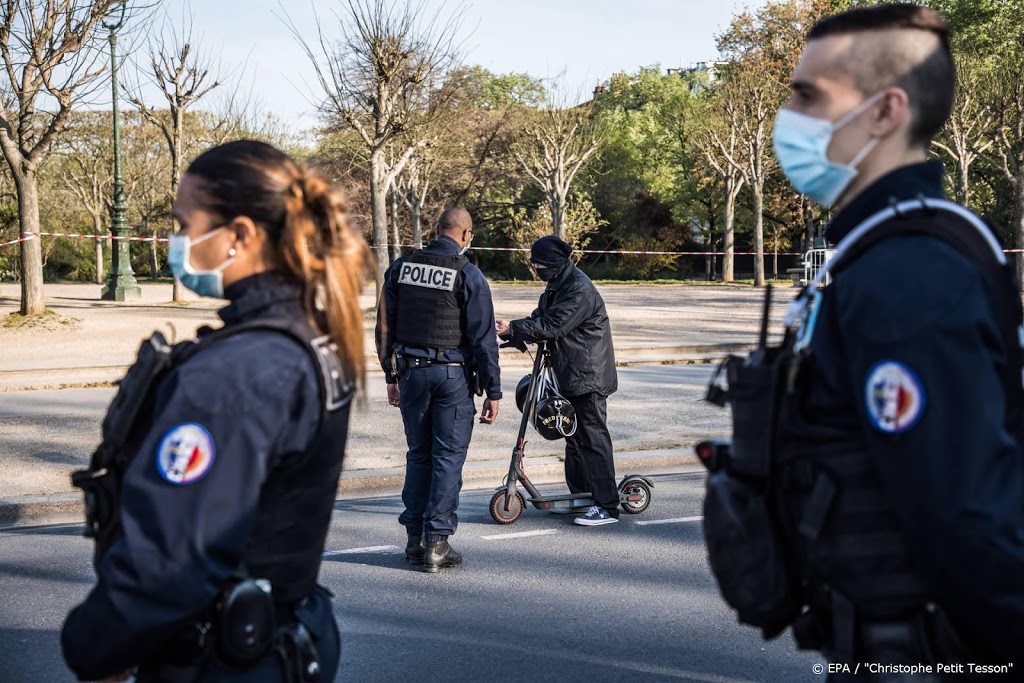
(419, 362)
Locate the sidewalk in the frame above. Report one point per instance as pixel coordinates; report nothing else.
(655, 418)
(92, 342)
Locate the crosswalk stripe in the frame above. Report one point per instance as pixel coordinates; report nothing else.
(358, 551)
(670, 521)
(520, 534)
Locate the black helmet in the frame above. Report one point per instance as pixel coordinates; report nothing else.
(555, 418)
(521, 390)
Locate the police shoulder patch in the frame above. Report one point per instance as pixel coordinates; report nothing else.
(895, 398)
(185, 454)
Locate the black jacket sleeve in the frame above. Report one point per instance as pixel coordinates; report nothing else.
(478, 320)
(567, 311)
(950, 468)
(183, 538)
(387, 321)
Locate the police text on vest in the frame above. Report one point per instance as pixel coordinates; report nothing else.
(425, 275)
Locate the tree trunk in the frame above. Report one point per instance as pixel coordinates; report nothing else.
(177, 291)
(557, 212)
(32, 300)
(1018, 224)
(417, 229)
(808, 212)
(775, 264)
(728, 273)
(396, 234)
(154, 264)
(758, 192)
(963, 184)
(379, 216)
(97, 227)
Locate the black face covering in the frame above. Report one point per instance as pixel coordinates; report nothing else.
(547, 274)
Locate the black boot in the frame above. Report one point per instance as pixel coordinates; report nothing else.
(438, 555)
(414, 549)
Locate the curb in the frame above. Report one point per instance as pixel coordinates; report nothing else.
(66, 508)
(87, 377)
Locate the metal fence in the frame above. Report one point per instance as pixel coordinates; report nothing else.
(814, 261)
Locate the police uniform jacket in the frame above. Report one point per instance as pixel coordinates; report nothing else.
(478, 346)
(906, 364)
(247, 408)
(571, 317)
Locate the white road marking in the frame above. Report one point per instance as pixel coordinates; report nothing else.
(520, 534)
(363, 551)
(671, 521)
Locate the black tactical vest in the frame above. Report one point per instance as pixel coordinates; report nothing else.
(429, 312)
(847, 550)
(298, 495)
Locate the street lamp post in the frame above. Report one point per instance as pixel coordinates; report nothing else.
(121, 284)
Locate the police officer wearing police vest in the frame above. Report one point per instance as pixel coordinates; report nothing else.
(897, 471)
(212, 492)
(436, 343)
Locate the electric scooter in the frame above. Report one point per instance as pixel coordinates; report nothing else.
(508, 502)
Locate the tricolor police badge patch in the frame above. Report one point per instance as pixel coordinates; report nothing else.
(895, 398)
(185, 454)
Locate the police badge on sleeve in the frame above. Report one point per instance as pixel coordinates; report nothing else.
(185, 454)
(894, 396)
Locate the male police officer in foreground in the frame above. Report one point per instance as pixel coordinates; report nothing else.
(436, 342)
(571, 317)
(897, 490)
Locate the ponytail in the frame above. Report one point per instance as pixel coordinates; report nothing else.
(319, 248)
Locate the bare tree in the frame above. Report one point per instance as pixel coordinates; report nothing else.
(52, 53)
(718, 140)
(968, 134)
(413, 185)
(1005, 103)
(185, 74)
(88, 172)
(377, 81)
(552, 147)
(749, 99)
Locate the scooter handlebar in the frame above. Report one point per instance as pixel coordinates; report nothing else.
(514, 345)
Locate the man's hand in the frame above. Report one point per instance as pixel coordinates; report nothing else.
(393, 394)
(490, 412)
(503, 328)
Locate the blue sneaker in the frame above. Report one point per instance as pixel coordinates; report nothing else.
(595, 516)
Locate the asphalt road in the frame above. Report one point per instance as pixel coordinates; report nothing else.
(540, 600)
(47, 434)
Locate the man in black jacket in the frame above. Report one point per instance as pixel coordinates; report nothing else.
(571, 317)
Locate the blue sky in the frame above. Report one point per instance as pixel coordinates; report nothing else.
(588, 40)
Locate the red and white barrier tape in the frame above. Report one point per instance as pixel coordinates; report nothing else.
(621, 252)
(101, 237)
(625, 252)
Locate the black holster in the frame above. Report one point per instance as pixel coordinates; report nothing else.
(746, 551)
(295, 646)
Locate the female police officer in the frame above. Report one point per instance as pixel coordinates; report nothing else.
(231, 466)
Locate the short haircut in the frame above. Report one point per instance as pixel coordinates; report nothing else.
(453, 221)
(925, 72)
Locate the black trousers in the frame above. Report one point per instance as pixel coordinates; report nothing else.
(437, 409)
(589, 460)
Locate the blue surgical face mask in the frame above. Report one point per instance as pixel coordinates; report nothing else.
(462, 252)
(801, 146)
(202, 282)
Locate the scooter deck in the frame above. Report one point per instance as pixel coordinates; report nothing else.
(565, 496)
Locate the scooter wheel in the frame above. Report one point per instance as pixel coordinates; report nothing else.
(515, 507)
(639, 491)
